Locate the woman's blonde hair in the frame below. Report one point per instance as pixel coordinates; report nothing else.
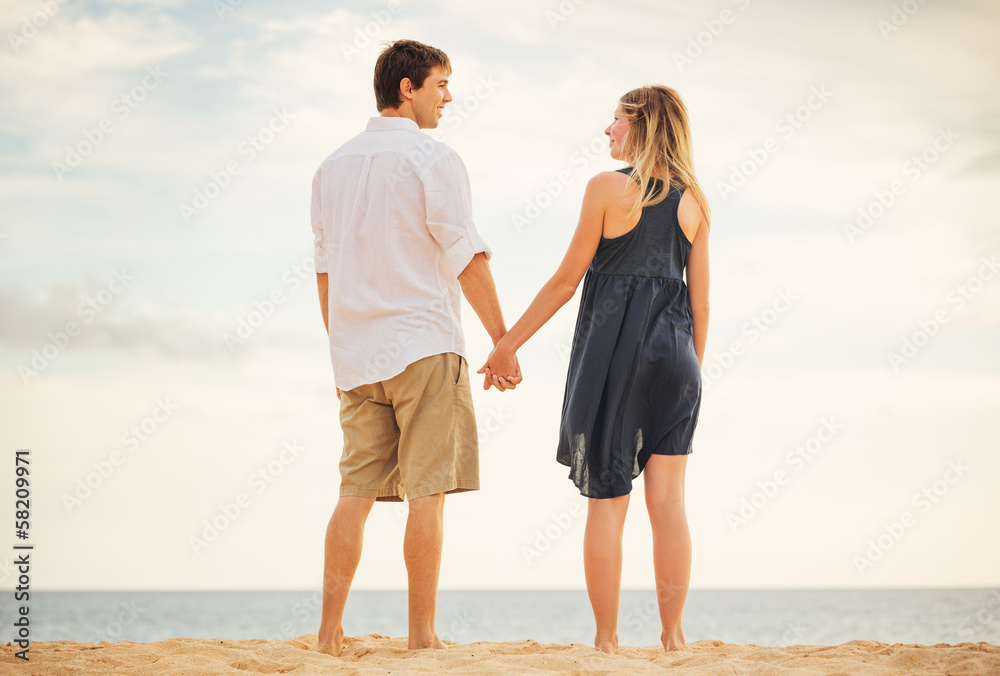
(659, 142)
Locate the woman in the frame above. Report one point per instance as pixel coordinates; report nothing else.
(634, 387)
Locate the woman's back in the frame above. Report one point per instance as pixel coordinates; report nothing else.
(650, 243)
(634, 384)
(633, 390)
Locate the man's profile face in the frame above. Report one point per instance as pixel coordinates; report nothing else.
(429, 101)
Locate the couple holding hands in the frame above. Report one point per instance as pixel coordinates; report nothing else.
(396, 249)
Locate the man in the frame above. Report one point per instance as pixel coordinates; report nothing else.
(394, 246)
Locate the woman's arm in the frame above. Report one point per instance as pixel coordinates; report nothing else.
(562, 285)
(690, 216)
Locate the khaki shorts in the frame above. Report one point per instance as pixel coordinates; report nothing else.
(411, 435)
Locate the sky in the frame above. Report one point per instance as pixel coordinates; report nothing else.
(162, 354)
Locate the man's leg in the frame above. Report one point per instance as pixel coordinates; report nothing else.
(422, 553)
(438, 454)
(344, 535)
(368, 469)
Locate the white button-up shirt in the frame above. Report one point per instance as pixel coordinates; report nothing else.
(392, 220)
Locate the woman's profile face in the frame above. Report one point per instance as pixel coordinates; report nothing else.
(617, 131)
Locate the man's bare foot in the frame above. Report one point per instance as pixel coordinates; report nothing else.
(607, 645)
(330, 642)
(673, 640)
(431, 642)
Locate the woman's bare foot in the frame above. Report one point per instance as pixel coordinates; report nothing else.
(431, 642)
(607, 645)
(673, 640)
(330, 642)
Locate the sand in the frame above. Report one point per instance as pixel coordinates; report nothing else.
(374, 654)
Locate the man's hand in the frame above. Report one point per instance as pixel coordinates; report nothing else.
(501, 369)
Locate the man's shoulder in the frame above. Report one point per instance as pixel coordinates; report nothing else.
(429, 146)
(423, 152)
(439, 155)
(342, 151)
(352, 146)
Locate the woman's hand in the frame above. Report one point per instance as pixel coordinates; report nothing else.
(501, 368)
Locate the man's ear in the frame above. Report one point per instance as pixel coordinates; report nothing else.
(406, 89)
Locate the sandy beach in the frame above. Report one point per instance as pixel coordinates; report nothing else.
(375, 654)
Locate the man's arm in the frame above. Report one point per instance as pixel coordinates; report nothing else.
(481, 292)
(323, 283)
(448, 200)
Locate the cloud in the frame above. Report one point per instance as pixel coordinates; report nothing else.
(71, 75)
(86, 317)
(557, 85)
(149, 4)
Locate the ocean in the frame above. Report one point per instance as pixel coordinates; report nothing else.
(762, 617)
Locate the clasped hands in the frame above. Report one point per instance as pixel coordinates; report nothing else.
(501, 369)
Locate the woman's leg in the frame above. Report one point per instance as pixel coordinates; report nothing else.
(602, 562)
(664, 487)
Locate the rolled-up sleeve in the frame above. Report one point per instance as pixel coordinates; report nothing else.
(316, 218)
(448, 200)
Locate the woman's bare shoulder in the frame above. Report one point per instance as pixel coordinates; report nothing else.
(607, 185)
(689, 213)
(609, 179)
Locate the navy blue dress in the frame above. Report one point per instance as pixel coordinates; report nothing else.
(634, 383)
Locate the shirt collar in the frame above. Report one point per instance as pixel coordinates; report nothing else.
(389, 123)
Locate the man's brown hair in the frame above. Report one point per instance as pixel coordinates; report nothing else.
(404, 59)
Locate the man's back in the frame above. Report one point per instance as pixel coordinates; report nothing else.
(393, 229)
(395, 248)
